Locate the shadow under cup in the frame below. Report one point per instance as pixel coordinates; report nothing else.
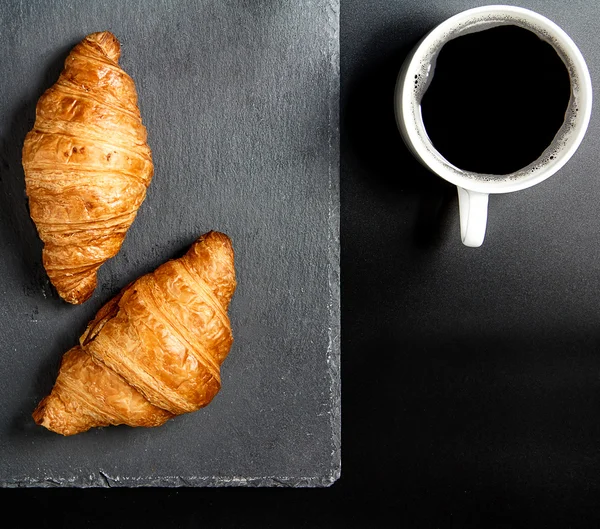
(417, 73)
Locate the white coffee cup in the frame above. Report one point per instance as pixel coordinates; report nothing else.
(474, 188)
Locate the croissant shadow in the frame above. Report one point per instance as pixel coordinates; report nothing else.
(22, 424)
(17, 231)
(40, 383)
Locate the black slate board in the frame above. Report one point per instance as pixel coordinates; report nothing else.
(240, 100)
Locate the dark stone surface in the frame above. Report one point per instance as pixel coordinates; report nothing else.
(241, 104)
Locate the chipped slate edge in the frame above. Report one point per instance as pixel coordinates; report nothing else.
(334, 346)
(104, 480)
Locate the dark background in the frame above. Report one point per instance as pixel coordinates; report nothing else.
(470, 377)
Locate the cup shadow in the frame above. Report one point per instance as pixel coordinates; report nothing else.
(371, 140)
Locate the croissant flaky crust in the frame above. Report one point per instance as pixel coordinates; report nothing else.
(152, 352)
(87, 165)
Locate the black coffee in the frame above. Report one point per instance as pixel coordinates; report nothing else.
(496, 100)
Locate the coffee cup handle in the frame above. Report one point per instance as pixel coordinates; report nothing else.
(473, 207)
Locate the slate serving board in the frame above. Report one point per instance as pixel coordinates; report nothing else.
(241, 104)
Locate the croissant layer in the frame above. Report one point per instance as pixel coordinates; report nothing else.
(87, 165)
(152, 352)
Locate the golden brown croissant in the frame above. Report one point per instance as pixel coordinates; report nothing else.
(87, 165)
(152, 352)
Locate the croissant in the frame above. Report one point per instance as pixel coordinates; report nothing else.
(87, 165)
(154, 351)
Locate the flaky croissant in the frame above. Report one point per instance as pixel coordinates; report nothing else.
(152, 352)
(87, 165)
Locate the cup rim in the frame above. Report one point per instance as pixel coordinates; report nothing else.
(422, 146)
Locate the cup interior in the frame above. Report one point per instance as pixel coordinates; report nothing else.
(418, 71)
